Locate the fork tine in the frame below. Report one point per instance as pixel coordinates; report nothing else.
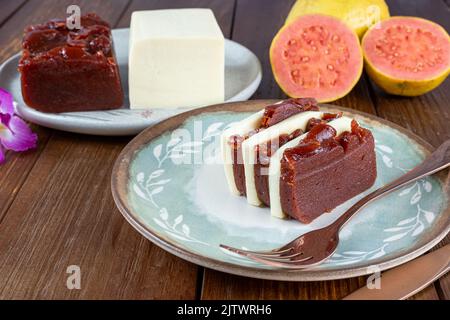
(283, 261)
(282, 258)
(271, 256)
(288, 261)
(271, 253)
(286, 264)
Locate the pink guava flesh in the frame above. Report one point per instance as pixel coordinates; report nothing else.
(408, 48)
(316, 56)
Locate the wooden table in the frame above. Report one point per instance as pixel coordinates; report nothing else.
(56, 207)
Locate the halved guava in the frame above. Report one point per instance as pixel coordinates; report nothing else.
(407, 56)
(316, 56)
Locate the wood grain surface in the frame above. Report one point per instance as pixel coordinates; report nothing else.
(56, 207)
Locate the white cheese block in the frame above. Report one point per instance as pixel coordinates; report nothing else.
(176, 59)
(340, 125)
(298, 121)
(241, 128)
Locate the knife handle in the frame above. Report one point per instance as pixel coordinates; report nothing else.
(406, 280)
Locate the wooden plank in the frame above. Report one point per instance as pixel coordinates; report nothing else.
(73, 220)
(436, 11)
(426, 115)
(218, 285)
(257, 36)
(443, 285)
(223, 10)
(254, 27)
(18, 166)
(429, 293)
(9, 7)
(14, 172)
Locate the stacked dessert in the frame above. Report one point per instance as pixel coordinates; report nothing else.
(298, 160)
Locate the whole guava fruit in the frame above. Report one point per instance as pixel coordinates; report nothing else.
(359, 15)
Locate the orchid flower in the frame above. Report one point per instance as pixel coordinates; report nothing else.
(15, 134)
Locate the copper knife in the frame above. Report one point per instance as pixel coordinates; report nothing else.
(408, 279)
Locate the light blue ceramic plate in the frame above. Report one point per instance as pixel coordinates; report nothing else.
(170, 186)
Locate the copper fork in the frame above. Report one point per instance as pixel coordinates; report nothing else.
(314, 247)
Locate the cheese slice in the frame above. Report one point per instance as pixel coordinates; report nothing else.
(176, 59)
(241, 128)
(298, 121)
(340, 125)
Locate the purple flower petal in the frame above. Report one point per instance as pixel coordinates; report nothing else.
(4, 121)
(6, 102)
(17, 136)
(14, 132)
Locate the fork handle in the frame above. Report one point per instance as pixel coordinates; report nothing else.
(438, 160)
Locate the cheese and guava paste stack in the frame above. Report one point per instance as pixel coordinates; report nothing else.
(295, 158)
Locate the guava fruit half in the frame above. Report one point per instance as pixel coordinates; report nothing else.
(316, 56)
(407, 56)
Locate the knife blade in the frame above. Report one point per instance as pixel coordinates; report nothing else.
(408, 279)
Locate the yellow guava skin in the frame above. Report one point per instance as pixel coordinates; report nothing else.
(359, 15)
(402, 87)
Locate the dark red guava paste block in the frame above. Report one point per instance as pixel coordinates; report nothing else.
(66, 70)
(324, 171)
